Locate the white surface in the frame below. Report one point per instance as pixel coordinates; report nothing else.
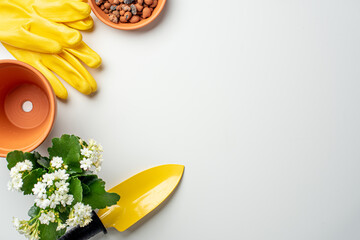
(258, 99)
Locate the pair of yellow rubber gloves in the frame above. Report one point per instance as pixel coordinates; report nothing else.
(44, 34)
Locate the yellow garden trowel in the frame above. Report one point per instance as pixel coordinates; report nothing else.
(139, 195)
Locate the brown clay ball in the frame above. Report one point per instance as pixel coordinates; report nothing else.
(148, 2)
(107, 5)
(128, 15)
(139, 7)
(133, 12)
(154, 4)
(123, 19)
(116, 13)
(146, 12)
(113, 18)
(135, 19)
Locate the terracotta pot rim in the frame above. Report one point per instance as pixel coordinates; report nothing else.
(52, 102)
(126, 26)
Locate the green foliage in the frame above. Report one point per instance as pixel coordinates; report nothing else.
(98, 197)
(32, 157)
(76, 190)
(84, 186)
(67, 147)
(13, 158)
(48, 232)
(31, 179)
(44, 162)
(33, 211)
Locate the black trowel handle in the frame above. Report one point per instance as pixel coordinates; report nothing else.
(83, 233)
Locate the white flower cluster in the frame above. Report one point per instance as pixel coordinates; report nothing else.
(47, 217)
(23, 227)
(92, 156)
(53, 189)
(79, 215)
(16, 174)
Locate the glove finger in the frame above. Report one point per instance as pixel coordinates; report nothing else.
(59, 89)
(33, 59)
(62, 11)
(83, 25)
(24, 39)
(67, 72)
(80, 68)
(86, 55)
(67, 37)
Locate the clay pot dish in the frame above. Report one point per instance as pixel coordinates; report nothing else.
(126, 26)
(27, 107)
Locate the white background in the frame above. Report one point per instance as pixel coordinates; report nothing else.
(260, 100)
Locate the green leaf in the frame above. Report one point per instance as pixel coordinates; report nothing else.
(98, 198)
(44, 162)
(31, 179)
(88, 179)
(85, 174)
(37, 155)
(31, 157)
(67, 147)
(34, 211)
(48, 232)
(64, 214)
(13, 158)
(76, 190)
(85, 188)
(60, 233)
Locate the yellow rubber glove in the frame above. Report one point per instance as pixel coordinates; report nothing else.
(29, 31)
(74, 13)
(65, 64)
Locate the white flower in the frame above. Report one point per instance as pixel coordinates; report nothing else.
(16, 223)
(79, 215)
(16, 183)
(48, 178)
(54, 200)
(61, 175)
(61, 226)
(56, 162)
(22, 227)
(24, 166)
(98, 169)
(42, 202)
(62, 187)
(92, 156)
(14, 171)
(46, 218)
(39, 189)
(86, 164)
(66, 199)
(86, 152)
(69, 199)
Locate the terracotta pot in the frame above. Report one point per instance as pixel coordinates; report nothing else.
(27, 107)
(126, 26)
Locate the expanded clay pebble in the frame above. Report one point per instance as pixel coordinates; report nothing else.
(113, 18)
(146, 12)
(127, 11)
(99, 2)
(133, 9)
(148, 2)
(154, 4)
